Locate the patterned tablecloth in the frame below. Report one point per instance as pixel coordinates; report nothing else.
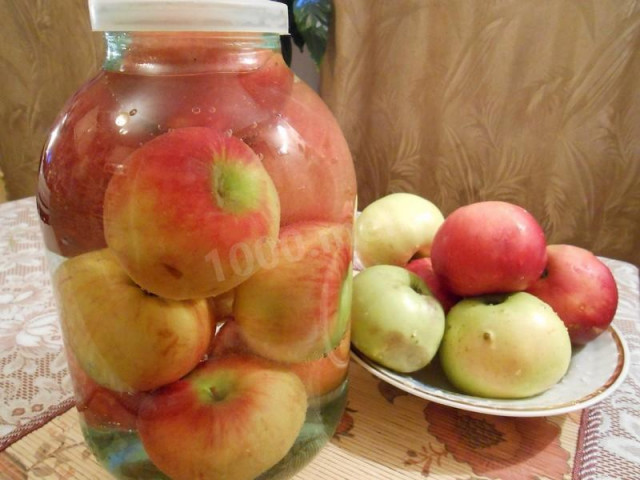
(384, 434)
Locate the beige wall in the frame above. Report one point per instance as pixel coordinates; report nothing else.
(47, 51)
(533, 102)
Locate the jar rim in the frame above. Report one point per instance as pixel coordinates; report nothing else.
(255, 16)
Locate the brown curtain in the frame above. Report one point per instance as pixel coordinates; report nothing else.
(47, 50)
(535, 102)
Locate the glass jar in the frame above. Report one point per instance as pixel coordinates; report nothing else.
(196, 200)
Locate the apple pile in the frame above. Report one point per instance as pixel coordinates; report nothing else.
(210, 307)
(480, 288)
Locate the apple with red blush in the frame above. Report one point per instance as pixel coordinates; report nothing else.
(189, 212)
(296, 308)
(236, 417)
(308, 159)
(489, 247)
(580, 288)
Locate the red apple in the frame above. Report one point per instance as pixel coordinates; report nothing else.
(83, 151)
(423, 268)
(124, 338)
(269, 85)
(308, 159)
(580, 288)
(489, 247)
(296, 308)
(190, 212)
(231, 418)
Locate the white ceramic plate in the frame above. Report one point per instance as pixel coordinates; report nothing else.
(596, 370)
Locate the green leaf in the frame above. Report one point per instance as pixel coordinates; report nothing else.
(312, 18)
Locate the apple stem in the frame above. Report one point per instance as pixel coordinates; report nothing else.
(216, 394)
(495, 299)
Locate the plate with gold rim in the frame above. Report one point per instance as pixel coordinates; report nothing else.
(596, 370)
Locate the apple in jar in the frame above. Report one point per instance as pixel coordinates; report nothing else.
(395, 320)
(124, 338)
(296, 308)
(188, 212)
(270, 83)
(78, 160)
(424, 269)
(489, 247)
(395, 228)
(99, 406)
(325, 374)
(504, 346)
(306, 155)
(233, 417)
(319, 376)
(580, 288)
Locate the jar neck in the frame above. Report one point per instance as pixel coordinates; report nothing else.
(160, 53)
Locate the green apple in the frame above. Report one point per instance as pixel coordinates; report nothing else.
(124, 338)
(296, 308)
(395, 320)
(189, 213)
(394, 228)
(231, 418)
(504, 346)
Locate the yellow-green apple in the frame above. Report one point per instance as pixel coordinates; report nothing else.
(124, 338)
(308, 159)
(581, 290)
(232, 418)
(424, 269)
(296, 308)
(489, 247)
(504, 346)
(396, 321)
(190, 212)
(395, 228)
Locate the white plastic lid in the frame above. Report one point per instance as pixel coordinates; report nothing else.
(263, 16)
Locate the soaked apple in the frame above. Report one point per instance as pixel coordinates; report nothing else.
(196, 201)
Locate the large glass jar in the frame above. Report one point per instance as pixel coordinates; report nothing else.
(197, 204)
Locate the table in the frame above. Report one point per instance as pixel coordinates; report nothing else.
(384, 433)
